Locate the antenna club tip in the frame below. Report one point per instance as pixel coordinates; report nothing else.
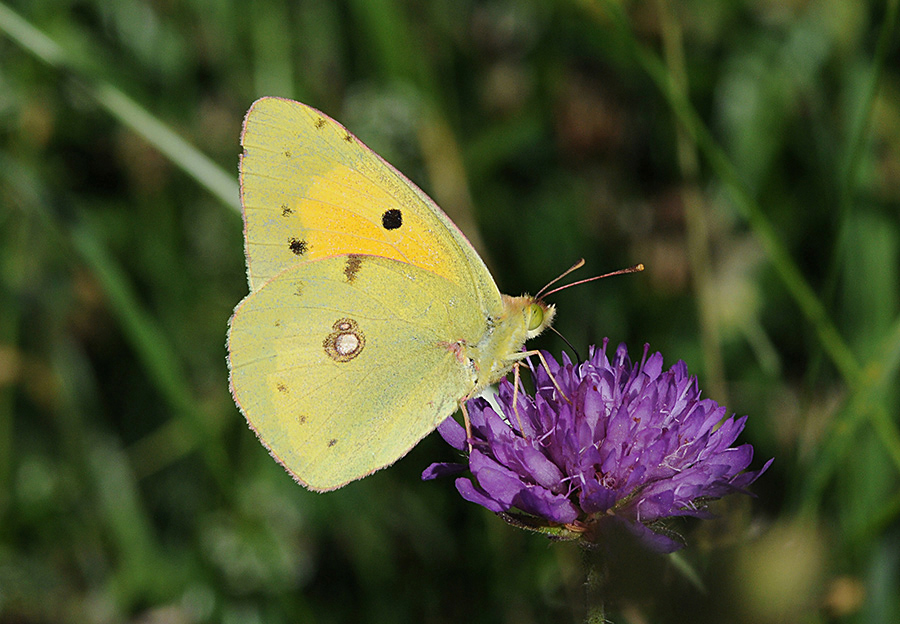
(639, 267)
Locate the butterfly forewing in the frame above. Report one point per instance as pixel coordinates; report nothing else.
(310, 189)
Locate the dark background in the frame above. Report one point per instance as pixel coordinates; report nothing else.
(748, 153)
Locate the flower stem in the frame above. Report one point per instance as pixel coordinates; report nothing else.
(595, 581)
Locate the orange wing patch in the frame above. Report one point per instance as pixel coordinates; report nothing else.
(347, 213)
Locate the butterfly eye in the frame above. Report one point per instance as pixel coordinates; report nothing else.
(537, 317)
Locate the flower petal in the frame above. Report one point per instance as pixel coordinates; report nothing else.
(453, 433)
(442, 469)
(545, 504)
(472, 494)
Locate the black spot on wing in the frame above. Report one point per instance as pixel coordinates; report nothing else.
(297, 246)
(286, 210)
(392, 219)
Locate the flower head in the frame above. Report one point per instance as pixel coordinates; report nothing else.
(627, 442)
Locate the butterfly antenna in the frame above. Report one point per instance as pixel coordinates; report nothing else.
(574, 267)
(633, 269)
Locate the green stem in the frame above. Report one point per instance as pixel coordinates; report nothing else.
(595, 577)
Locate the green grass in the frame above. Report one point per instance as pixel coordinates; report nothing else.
(747, 153)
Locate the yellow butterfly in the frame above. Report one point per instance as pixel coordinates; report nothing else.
(370, 317)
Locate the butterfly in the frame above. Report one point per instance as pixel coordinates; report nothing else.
(370, 318)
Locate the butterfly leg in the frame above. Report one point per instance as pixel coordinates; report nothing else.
(516, 381)
(466, 422)
(524, 354)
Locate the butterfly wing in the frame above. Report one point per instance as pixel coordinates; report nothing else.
(310, 189)
(342, 365)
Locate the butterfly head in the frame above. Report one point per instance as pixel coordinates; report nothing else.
(527, 317)
(538, 317)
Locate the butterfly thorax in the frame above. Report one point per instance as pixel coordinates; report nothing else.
(501, 346)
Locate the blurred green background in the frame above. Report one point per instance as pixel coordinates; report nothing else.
(748, 153)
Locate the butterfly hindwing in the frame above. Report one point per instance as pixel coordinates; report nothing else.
(342, 364)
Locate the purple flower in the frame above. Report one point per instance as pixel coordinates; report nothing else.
(627, 443)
